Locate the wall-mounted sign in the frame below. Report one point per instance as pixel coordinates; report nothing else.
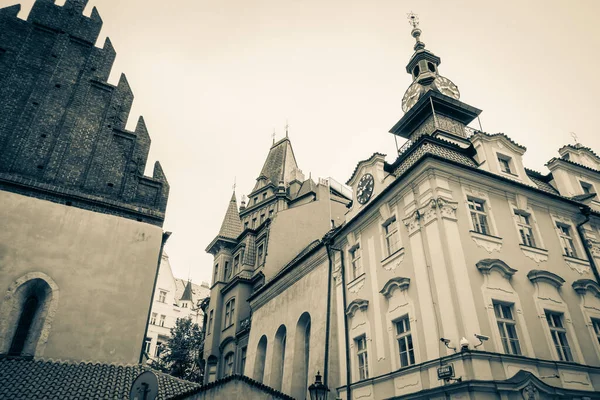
(446, 371)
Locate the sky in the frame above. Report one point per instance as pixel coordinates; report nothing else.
(215, 78)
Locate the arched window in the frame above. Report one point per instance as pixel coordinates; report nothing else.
(301, 358)
(26, 315)
(259, 363)
(278, 358)
(228, 364)
(211, 369)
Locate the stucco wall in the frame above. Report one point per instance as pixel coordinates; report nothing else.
(104, 267)
(306, 292)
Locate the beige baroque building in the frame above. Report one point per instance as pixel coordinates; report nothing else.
(457, 273)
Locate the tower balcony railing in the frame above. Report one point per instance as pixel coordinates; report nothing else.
(244, 325)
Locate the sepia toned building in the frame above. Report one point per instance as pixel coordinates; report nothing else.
(174, 298)
(456, 273)
(82, 224)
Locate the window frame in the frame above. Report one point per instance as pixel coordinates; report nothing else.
(354, 261)
(595, 322)
(260, 254)
(506, 340)
(163, 319)
(210, 322)
(388, 234)
(147, 345)
(162, 296)
(561, 332)
(153, 318)
(229, 313)
(228, 364)
(362, 355)
(587, 187)
(505, 161)
(227, 271)
(478, 214)
(566, 239)
(528, 225)
(406, 337)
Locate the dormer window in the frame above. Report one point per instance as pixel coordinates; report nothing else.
(587, 188)
(505, 164)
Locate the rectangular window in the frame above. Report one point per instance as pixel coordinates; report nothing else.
(260, 255)
(355, 260)
(210, 321)
(162, 320)
(216, 274)
(559, 335)
(507, 327)
(256, 200)
(525, 231)
(253, 223)
(243, 360)
(361, 352)
(596, 326)
(271, 213)
(264, 196)
(392, 236)
(227, 270)
(147, 344)
(236, 264)
(564, 232)
(158, 350)
(153, 318)
(229, 312)
(587, 187)
(228, 365)
(478, 215)
(162, 296)
(405, 343)
(246, 225)
(504, 162)
(262, 218)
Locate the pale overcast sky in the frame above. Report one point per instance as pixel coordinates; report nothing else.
(213, 78)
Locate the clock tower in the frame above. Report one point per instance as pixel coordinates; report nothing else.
(431, 103)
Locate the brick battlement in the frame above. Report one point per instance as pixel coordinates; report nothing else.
(62, 125)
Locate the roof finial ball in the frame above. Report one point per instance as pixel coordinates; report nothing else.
(413, 20)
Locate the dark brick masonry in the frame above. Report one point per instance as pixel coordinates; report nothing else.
(62, 126)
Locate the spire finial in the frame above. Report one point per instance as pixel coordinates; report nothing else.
(234, 183)
(287, 126)
(273, 135)
(574, 135)
(413, 20)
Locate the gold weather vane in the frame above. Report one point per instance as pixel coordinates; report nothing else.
(574, 135)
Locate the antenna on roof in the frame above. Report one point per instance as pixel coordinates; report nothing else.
(574, 135)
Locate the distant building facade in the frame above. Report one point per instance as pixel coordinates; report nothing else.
(82, 235)
(457, 272)
(174, 298)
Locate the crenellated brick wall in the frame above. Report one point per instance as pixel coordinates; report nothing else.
(62, 125)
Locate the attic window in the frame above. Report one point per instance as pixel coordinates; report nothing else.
(587, 187)
(505, 164)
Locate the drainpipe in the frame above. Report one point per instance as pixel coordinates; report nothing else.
(165, 237)
(585, 211)
(344, 301)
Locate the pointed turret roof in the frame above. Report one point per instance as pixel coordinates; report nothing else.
(232, 225)
(187, 292)
(280, 165)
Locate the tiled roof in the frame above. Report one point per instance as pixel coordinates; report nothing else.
(431, 148)
(541, 181)
(48, 379)
(500, 134)
(187, 292)
(579, 146)
(275, 394)
(198, 292)
(308, 186)
(232, 225)
(280, 163)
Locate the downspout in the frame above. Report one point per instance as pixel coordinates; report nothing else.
(328, 321)
(344, 305)
(165, 237)
(585, 211)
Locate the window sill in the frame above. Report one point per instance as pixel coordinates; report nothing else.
(488, 242)
(393, 261)
(357, 283)
(577, 264)
(227, 327)
(536, 254)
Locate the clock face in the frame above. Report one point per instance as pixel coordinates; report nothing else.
(364, 189)
(411, 96)
(447, 87)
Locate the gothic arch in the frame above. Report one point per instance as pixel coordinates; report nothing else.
(34, 285)
(278, 359)
(259, 362)
(301, 357)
